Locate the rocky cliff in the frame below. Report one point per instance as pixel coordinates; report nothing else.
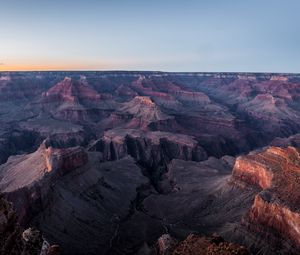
(27, 179)
(277, 172)
(149, 148)
(130, 156)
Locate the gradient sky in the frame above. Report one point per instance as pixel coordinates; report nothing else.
(166, 35)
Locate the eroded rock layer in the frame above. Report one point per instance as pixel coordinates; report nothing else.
(107, 162)
(277, 171)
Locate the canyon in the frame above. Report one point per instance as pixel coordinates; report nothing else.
(140, 163)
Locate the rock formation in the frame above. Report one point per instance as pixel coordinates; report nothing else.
(152, 148)
(30, 176)
(197, 245)
(277, 172)
(76, 101)
(111, 161)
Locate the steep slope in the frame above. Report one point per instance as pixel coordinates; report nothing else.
(87, 206)
(144, 108)
(268, 101)
(30, 176)
(49, 185)
(130, 156)
(76, 101)
(150, 148)
(277, 172)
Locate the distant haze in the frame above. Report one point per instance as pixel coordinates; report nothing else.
(166, 35)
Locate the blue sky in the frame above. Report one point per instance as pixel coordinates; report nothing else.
(167, 35)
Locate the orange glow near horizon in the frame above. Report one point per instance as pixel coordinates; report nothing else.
(59, 65)
(68, 67)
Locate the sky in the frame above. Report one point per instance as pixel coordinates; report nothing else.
(160, 35)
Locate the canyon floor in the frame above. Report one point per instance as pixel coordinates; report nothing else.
(151, 162)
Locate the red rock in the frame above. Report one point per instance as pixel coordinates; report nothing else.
(71, 91)
(253, 172)
(277, 171)
(76, 101)
(151, 147)
(143, 111)
(65, 159)
(271, 212)
(197, 245)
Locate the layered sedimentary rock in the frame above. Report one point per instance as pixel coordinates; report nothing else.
(76, 101)
(143, 111)
(152, 157)
(270, 211)
(71, 91)
(27, 179)
(150, 148)
(193, 197)
(277, 172)
(270, 100)
(65, 159)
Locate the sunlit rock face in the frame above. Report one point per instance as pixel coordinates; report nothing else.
(277, 172)
(112, 161)
(272, 212)
(143, 111)
(65, 159)
(26, 179)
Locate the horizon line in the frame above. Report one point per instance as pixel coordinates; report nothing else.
(149, 71)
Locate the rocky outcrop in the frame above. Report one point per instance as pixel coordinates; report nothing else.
(199, 245)
(268, 102)
(149, 148)
(269, 211)
(65, 159)
(143, 111)
(253, 172)
(26, 180)
(25, 170)
(152, 157)
(277, 172)
(71, 91)
(76, 101)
